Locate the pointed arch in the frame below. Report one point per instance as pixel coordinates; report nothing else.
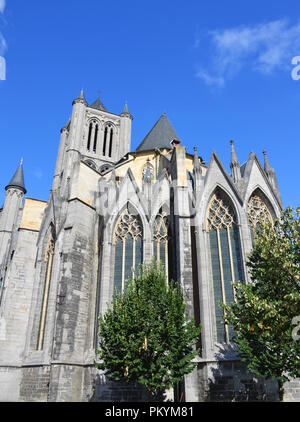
(161, 239)
(107, 146)
(128, 245)
(89, 136)
(46, 277)
(95, 137)
(226, 255)
(91, 164)
(104, 140)
(92, 134)
(259, 209)
(110, 142)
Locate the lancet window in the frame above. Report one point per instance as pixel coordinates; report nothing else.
(161, 240)
(128, 247)
(46, 288)
(258, 212)
(226, 257)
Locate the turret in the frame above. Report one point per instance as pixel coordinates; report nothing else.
(71, 150)
(60, 156)
(15, 191)
(125, 131)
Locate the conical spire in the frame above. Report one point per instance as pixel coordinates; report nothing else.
(270, 172)
(80, 98)
(267, 167)
(160, 136)
(17, 180)
(98, 105)
(234, 164)
(125, 109)
(234, 159)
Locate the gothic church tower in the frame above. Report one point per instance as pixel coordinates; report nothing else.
(111, 208)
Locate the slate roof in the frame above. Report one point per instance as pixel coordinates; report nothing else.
(98, 105)
(17, 180)
(159, 136)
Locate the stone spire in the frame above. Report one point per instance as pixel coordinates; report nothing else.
(125, 109)
(197, 166)
(270, 172)
(17, 180)
(268, 169)
(80, 99)
(234, 164)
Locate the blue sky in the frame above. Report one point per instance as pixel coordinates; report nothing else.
(220, 70)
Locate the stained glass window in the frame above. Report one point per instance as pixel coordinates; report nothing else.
(226, 257)
(258, 213)
(128, 243)
(161, 239)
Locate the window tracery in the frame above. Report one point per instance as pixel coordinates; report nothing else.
(226, 257)
(128, 244)
(258, 211)
(161, 239)
(49, 263)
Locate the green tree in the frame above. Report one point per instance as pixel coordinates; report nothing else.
(145, 336)
(265, 310)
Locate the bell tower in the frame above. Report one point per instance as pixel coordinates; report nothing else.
(93, 135)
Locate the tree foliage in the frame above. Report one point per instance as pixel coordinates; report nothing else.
(145, 335)
(265, 309)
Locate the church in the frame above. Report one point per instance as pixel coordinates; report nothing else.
(110, 209)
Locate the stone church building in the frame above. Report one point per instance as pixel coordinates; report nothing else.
(111, 208)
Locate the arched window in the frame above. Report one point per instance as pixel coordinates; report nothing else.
(95, 138)
(104, 168)
(49, 261)
(89, 136)
(148, 172)
(91, 164)
(128, 247)
(93, 135)
(226, 257)
(161, 240)
(108, 140)
(104, 140)
(258, 212)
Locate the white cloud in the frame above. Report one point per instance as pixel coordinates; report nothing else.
(2, 44)
(2, 40)
(37, 173)
(209, 79)
(2, 6)
(263, 48)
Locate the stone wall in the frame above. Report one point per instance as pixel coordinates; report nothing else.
(232, 381)
(35, 382)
